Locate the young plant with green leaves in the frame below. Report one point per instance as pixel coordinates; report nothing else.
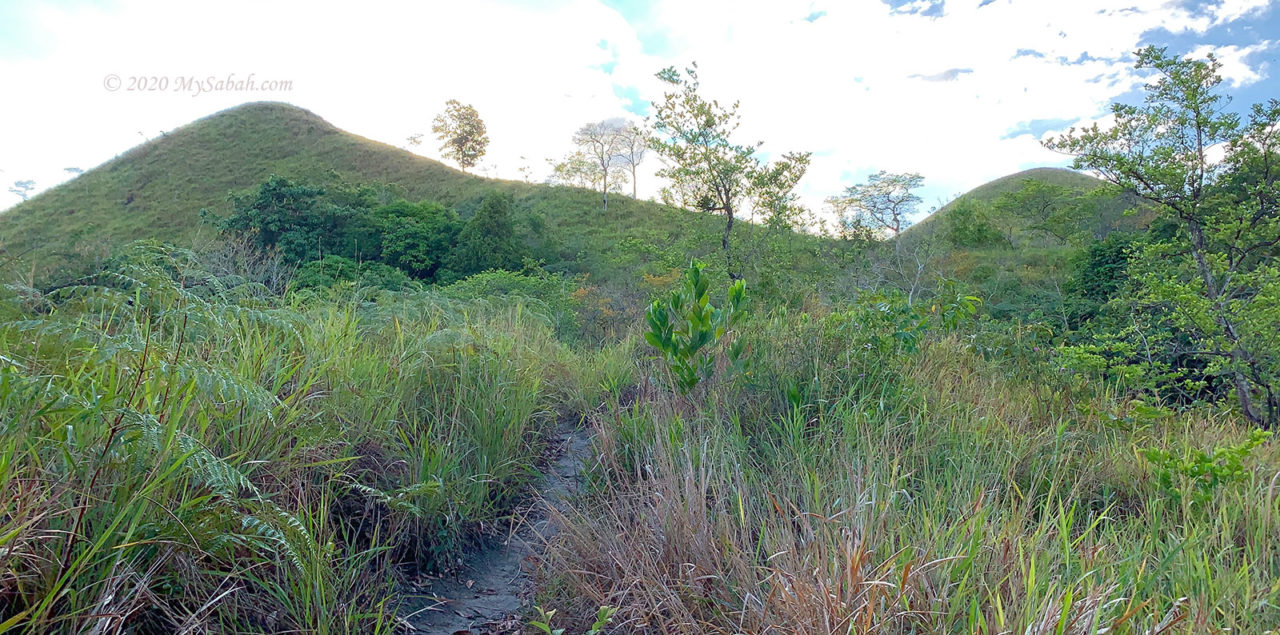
(604, 615)
(1195, 476)
(690, 332)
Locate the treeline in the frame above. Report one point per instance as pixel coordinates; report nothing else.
(362, 233)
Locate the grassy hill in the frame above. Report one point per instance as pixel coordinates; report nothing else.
(1026, 276)
(1110, 212)
(158, 189)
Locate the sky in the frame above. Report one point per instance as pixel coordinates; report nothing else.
(960, 91)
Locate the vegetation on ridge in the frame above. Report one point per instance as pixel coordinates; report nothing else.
(292, 426)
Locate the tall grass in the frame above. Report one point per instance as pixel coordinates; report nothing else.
(181, 452)
(856, 483)
(187, 452)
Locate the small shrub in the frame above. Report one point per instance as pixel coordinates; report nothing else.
(1196, 476)
(603, 616)
(554, 293)
(686, 328)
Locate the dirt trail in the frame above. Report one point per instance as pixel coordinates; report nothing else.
(492, 590)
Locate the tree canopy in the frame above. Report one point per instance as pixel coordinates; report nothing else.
(1211, 282)
(707, 167)
(461, 132)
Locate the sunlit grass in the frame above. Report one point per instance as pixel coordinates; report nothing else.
(932, 491)
(181, 451)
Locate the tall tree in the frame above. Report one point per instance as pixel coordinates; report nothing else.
(633, 144)
(1215, 277)
(880, 209)
(488, 240)
(1053, 210)
(601, 142)
(461, 133)
(694, 136)
(883, 204)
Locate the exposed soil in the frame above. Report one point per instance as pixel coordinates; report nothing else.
(492, 591)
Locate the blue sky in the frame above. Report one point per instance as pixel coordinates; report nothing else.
(960, 91)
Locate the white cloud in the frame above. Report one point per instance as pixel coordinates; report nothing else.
(1232, 10)
(1236, 69)
(851, 85)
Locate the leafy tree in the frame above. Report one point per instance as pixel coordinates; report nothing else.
(707, 168)
(1053, 210)
(417, 237)
(284, 214)
(1214, 277)
(880, 209)
(969, 224)
(23, 188)
(633, 145)
(461, 133)
(882, 205)
(488, 240)
(601, 143)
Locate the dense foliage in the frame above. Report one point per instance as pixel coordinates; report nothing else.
(1207, 288)
(461, 133)
(354, 237)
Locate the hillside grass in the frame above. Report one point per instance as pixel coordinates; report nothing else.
(158, 189)
(987, 194)
(186, 452)
(854, 486)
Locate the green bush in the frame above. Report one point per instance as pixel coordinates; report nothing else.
(968, 224)
(417, 237)
(1195, 476)
(488, 240)
(1099, 271)
(688, 330)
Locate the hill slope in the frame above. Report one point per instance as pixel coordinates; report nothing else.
(1110, 212)
(157, 190)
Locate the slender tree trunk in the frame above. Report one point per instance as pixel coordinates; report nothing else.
(1240, 358)
(724, 243)
(633, 182)
(1244, 390)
